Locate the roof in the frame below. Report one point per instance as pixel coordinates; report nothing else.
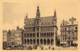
(43, 20)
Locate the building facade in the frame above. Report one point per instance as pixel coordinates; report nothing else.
(69, 33)
(4, 39)
(40, 31)
(12, 38)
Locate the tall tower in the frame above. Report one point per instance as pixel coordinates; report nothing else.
(55, 28)
(37, 26)
(25, 20)
(37, 20)
(38, 12)
(55, 13)
(55, 19)
(24, 31)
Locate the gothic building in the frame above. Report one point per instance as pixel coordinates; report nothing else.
(40, 31)
(69, 33)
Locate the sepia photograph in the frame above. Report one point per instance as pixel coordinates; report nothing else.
(40, 25)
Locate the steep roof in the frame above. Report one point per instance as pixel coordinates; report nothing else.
(43, 20)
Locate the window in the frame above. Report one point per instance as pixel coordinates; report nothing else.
(27, 35)
(33, 28)
(65, 29)
(33, 34)
(48, 41)
(51, 41)
(37, 34)
(37, 22)
(38, 29)
(27, 41)
(44, 41)
(38, 41)
(41, 41)
(30, 41)
(33, 41)
(24, 35)
(47, 34)
(30, 35)
(44, 34)
(51, 34)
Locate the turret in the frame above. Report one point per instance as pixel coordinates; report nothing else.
(25, 20)
(38, 12)
(55, 13)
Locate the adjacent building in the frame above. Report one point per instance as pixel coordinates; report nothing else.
(69, 33)
(4, 39)
(12, 38)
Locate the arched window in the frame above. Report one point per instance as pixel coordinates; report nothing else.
(49, 34)
(33, 41)
(44, 41)
(37, 41)
(52, 34)
(37, 34)
(27, 41)
(33, 34)
(30, 35)
(48, 41)
(41, 41)
(44, 34)
(30, 41)
(51, 41)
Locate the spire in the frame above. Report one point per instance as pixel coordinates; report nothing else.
(55, 13)
(26, 17)
(38, 12)
(25, 20)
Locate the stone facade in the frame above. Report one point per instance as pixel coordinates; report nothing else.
(69, 33)
(13, 38)
(4, 39)
(40, 31)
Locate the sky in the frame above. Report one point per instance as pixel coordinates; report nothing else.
(15, 11)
